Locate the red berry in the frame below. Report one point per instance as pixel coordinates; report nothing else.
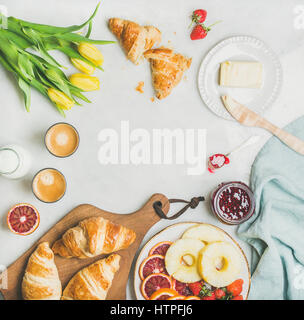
(199, 16)
(198, 32)
(195, 287)
(238, 298)
(219, 294)
(236, 287)
(209, 297)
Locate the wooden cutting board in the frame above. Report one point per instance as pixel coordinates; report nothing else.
(140, 221)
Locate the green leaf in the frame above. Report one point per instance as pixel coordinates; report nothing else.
(74, 37)
(55, 30)
(26, 67)
(89, 30)
(27, 93)
(79, 95)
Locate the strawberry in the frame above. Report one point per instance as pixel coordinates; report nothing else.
(198, 32)
(199, 16)
(210, 296)
(196, 287)
(236, 287)
(219, 294)
(238, 298)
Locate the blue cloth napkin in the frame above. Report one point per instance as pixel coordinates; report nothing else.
(276, 230)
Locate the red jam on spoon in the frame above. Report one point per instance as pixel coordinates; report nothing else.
(217, 161)
(233, 202)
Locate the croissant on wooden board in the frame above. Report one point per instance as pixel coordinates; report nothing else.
(92, 237)
(167, 69)
(41, 280)
(134, 38)
(94, 281)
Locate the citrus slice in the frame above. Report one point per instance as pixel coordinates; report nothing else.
(152, 264)
(192, 298)
(23, 219)
(163, 294)
(160, 248)
(178, 297)
(181, 288)
(153, 283)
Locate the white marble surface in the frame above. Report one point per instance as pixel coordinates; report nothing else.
(90, 182)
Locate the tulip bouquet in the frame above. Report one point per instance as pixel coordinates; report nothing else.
(40, 70)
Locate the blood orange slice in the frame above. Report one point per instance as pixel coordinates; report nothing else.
(160, 248)
(153, 283)
(178, 297)
(163, 294)
(192, 298)
(23, 219)
(152, 264)
(181, 287)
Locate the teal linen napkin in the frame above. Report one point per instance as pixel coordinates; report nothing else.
(276, 230)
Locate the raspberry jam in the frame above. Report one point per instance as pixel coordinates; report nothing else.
(233, 202)
(217, 161)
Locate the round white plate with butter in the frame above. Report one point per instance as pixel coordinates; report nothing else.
(175, 232)
(240, 48)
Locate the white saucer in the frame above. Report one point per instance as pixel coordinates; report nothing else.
(240, 48)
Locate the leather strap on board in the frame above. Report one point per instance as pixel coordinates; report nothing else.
(193, 203)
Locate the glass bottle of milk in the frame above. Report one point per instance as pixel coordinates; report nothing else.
(15, 161)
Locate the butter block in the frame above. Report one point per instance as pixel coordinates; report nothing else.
(241, 74)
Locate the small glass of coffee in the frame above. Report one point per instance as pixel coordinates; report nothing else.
(62, 139)
(49, 185)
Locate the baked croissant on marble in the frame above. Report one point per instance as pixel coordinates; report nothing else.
(167, 69)
(134, 38)
(41, 280)
(94, 281)
(92, 237)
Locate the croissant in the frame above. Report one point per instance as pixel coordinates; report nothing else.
(41, 280)
(94, 281)
(92, 237)
(167, 69)
(134, 38)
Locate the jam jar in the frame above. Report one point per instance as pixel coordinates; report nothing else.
(233, 202)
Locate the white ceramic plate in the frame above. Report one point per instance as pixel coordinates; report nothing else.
(174, 232)
(241, 48)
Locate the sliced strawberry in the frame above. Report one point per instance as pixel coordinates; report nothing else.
(236, 287)
(196, 287)
(210, 296)
(219, 294)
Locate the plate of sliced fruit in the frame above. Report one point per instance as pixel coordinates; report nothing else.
(192, 261)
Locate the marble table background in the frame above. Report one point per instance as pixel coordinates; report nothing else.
(88, 181)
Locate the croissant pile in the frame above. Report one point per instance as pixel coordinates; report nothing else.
(90, 238)
(137, 42)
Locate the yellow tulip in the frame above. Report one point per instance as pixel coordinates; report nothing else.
(85, 82)
(60, 98)
(91, 53)
(83, 66)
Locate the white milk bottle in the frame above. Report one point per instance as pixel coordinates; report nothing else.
(15, 161)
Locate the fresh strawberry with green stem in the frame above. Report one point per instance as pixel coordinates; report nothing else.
(236, 287)
(198, 16)
(200, 31)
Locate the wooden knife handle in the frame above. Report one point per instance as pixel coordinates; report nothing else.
(290, 140)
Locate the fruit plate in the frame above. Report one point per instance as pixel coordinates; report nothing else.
(240, 48)
(175, 232)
